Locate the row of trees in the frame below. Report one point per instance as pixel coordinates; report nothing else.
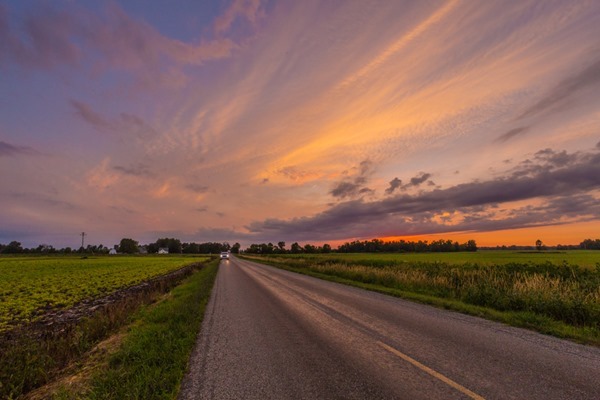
(15, 247)
(126, 246)
(130, 246)
(590, 244)
(404, 246)
(295, 248)
(366, 246)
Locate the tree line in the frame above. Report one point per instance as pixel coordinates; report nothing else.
(126, 246)
(366, 246)
(130, 246)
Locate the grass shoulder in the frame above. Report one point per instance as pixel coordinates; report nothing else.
(152, 358)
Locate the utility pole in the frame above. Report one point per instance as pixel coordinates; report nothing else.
(82, 237)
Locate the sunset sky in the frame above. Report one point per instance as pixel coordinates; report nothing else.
(309, 121)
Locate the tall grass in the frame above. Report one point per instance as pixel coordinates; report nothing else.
(571, 295)
(564, 293)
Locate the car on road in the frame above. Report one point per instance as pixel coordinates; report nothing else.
(225, 255)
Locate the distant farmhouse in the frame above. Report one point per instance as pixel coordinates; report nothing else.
(163, 250)
(112, 251)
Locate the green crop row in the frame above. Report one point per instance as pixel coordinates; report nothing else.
(31, 286)
(582, 258)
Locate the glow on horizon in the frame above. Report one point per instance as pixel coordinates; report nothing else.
(258, 121)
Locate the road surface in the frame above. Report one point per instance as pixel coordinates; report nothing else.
(272, 334)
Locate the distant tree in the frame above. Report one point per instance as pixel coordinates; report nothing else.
(13, 247)
(539, 245)
(281, 246)
(152, 248)
(310, 249)
(590, 244)
(296, 248)
(253, 249)
(190, 248)
(471, 245)
(128, 246)
(267, 248)
(326, 248)
(235, 249)
(44, 248)
(174, 245)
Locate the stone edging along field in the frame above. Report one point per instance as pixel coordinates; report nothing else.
(58, 321)
(33, 353)
(32, 286)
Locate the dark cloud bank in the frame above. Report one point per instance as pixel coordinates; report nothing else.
(564, 182)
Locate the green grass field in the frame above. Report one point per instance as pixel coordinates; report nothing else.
(582, 258)
(30, 286)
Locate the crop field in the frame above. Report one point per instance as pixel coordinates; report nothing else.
(29, 286)
(581, 258)
(545, 290)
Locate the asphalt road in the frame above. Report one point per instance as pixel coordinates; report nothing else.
(272, 334)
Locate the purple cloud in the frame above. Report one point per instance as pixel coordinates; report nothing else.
(124, 124)
(7, 150)
(90, 116)
(48, 38)
(512, 133)
(138, 170)
(394, 184)
(355, 186)
(419, 179)
(197, 188)
(557, 97)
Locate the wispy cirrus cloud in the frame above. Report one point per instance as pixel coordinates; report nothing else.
(558, 96)
(8, 150)
(137, 170)
(196, 188)
(111, 40)
(239, 9)
(90, 116)
(278, 104)
(400, 43)
(512, 133)
(124, 123)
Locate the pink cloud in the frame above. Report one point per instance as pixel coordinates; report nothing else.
(129, 43)
(113, 40)
(90, 116)
(124, 124)
(247, 9)
(8, 150)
